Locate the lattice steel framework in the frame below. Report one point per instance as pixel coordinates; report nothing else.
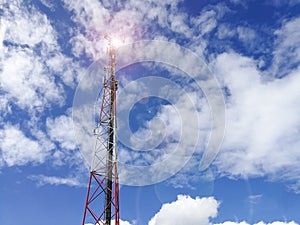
(102, 200)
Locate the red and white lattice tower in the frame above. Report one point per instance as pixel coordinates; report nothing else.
(102, 201)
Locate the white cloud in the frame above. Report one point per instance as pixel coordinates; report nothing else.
(239, 2)
(246, 35)
(280, 3)
(190, 211)
(262, 135)
(65, 68)
(179, 24)
(17, 149)
(2, 33)
(233, 223)
(254, 199)
(53, 180)
(164, 143)
(224, 32)
(188, 177)
(277, 223)
(26, 81)
(61, 130)
(6, 108)
(33, 71)
(28, 77)
(122, 222)
(186, 210)
(287, 49)
(28, 74)
(205, 22)
(260, 223)
(95, 18)
(235, 1)
(26, 28)
(49, 4)
(174, 123)
(84, 131)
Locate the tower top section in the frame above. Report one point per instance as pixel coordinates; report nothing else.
(113, 41)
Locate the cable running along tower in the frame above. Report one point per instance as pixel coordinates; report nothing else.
(102, 200)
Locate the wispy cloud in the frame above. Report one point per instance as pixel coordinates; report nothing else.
(287, 48)
(54, 180)
(254, 199)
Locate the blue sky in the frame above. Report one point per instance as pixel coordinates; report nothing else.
(211, 83)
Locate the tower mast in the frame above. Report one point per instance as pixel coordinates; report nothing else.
(103, 186)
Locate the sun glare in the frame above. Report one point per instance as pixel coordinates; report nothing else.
(116, 42)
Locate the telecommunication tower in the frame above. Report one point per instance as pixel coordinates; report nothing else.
(102, 200)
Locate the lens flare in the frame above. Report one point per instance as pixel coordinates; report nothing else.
(116, 42)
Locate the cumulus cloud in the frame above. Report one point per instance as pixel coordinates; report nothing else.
(259, 223)
(262, 136)
(186, 210)
(262, 116)
(18, 149)
(16, 17)
(60, 129)
(190, 211)
(122, 222)
(233, 223)
(26, 82)
(34, 73)
(277, 223)
(28, 73)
